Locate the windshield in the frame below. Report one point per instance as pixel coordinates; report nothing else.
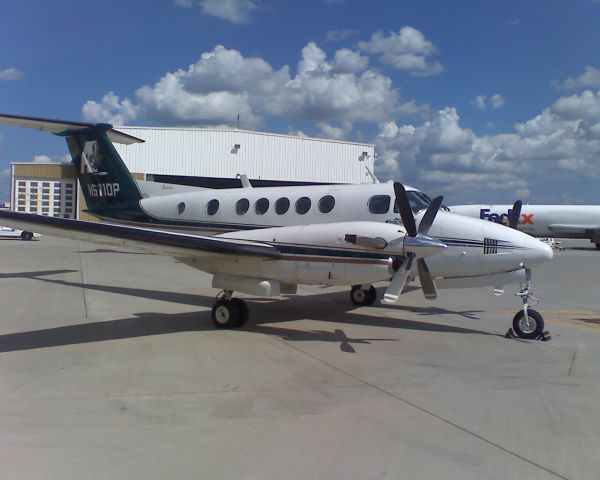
(418, 201)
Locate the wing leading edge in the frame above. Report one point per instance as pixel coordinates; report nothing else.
(154, 241)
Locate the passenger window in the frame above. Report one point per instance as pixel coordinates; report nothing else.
(282, 205)
(242, 206)
(180, 208)
(261, 206)
(326, 204)
(379, 204)
(303, 205)
(212, 206)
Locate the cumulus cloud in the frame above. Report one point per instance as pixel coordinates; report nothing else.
(10, 74)
(442, 156)
(110, 110)
(406, 50)
(223, 83)
(590, 78)
(235, 11)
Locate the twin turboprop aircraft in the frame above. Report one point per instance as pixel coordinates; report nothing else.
(279, 237)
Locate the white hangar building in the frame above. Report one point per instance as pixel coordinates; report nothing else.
(213, 157)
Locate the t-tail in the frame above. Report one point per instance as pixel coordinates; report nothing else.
(108, 187)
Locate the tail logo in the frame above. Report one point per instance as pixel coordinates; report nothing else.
(91, 157)
(91, 163)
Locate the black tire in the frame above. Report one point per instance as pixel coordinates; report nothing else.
(529, 331)
(225, 314)
(243, 311)
(598, 246)
(26, 235)
(363, 297)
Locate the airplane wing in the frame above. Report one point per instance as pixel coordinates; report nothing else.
(564, 228)
(154, 241)
(60, 126)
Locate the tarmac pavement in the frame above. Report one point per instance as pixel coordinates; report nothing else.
(110, 367)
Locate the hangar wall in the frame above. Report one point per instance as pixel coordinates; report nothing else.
(200, 152)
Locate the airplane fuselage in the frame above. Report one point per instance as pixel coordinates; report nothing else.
(558, 221)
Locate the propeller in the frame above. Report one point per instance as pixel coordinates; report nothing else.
(417, 244)
(515, 214)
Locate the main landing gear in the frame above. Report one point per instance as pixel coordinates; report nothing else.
(528, 323)
(229, 312)
(363, 295)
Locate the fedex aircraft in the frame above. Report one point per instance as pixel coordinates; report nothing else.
(274, 238)
(558, 221)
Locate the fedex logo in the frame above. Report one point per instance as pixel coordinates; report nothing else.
(487, 214)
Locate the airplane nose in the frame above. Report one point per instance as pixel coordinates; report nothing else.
(538, 252)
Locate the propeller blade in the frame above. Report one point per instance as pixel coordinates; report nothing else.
(406, 213)
(430, 214)
(426, 281)
(392, 294)
(515, 215)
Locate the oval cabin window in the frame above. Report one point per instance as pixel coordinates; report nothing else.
(326, 204)
(261, 206)
(282, 205)
(303, 205)
(212, 206)
(242, 206)
(180, 208)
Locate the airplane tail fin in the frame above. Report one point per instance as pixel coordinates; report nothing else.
(107, 185)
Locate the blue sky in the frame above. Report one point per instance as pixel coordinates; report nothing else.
(477, 100)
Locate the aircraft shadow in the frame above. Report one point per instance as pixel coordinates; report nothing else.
(266, 313)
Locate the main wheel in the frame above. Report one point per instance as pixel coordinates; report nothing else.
(530, 328)
(243, 311)
(363, 297)
(225, 313)
(598, 246)
(26, 235)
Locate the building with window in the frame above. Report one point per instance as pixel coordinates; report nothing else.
(45, 189)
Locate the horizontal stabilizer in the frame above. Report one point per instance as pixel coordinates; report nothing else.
(61, 127)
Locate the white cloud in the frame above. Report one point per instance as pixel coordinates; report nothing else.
(336, 133)
(440, 155)
(235, 11)
(223, 83)
(590, 78)
(495, 101)
(41, 159)
(479, 102)
(406, 50)
(110, 110)
(10, 74)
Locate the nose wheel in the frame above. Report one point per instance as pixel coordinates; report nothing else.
(528, 323)
(229, 312)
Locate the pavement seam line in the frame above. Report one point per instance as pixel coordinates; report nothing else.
(82, 282)
(427, 412)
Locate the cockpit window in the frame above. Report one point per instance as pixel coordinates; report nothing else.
(379, 204)
(418, 201)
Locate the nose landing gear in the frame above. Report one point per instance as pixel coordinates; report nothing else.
(528, 323)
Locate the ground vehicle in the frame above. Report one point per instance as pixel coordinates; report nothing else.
(6, 232)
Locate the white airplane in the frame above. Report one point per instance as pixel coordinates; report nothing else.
(279, 237)
(556, 221)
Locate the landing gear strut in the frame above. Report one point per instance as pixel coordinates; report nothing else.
(363, 296)
(229, 312)
(528, 323)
